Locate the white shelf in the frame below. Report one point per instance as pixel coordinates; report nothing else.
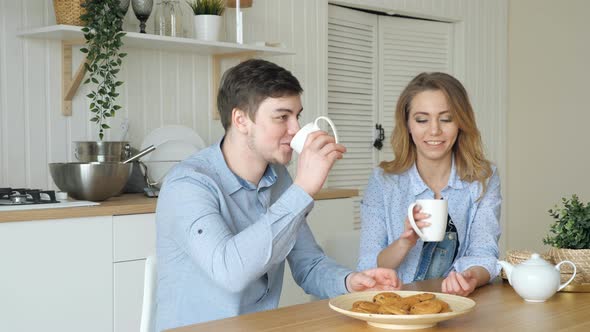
(147, 41)
(70, 35)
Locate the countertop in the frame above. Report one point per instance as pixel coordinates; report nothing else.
(498, 308)
(126, 204)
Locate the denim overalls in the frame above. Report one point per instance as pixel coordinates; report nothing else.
(438, 257)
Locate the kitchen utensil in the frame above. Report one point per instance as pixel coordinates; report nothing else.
(91, 181)
(536, 280)
(101, 151)
(157, 170)
(140, 154)
(166, 156)
(459, 306)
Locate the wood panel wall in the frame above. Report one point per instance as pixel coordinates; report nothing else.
(173, 88)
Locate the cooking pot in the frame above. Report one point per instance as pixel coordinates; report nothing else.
(101, 151)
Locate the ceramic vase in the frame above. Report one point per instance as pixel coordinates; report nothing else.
(207, 27)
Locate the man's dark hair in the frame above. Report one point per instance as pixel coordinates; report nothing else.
(246, 85)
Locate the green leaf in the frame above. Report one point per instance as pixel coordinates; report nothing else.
(571, 228)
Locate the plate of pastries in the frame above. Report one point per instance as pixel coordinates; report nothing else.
(401, 309)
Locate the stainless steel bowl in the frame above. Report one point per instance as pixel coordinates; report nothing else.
(91, 181)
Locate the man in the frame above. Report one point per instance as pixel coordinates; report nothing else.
(229, 216)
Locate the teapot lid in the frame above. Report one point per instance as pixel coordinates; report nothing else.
(535, 260)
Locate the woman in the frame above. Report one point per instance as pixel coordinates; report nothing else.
(438, 154)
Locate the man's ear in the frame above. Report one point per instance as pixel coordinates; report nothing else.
(240, 120)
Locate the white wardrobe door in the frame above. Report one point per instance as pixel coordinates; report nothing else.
(371, 58)
(352, 94)
(408, 47)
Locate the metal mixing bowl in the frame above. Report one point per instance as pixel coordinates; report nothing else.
(91, 181)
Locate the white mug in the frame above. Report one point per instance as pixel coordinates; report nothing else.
(438, 210)
(299, 139)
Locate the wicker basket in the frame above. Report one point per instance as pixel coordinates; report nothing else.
(580, 257)
(515, 257)
(69, 11)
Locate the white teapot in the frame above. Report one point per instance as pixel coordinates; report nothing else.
(535, 280)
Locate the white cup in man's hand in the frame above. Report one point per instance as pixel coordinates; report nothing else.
(298, 140)
(438, 211)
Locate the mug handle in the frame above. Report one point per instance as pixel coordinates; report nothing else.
(573, 275)
(332, 125)
(413, 222)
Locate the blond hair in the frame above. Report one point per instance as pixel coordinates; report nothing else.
(470, 161)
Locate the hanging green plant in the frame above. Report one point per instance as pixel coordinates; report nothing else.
(103, 33)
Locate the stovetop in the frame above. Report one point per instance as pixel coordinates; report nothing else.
(28, 199)
(23, 196)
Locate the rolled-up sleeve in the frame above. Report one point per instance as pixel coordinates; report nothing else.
(484, 232)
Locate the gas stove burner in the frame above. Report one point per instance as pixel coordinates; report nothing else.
(18, 199)
(19, 196)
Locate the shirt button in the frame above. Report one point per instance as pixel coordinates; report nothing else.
(451, 236)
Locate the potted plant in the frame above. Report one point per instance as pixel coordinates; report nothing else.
(570, 238)
(207, 19)
(103, 21)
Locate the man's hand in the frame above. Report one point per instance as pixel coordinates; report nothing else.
(374, 279)
(460, 283)
(319, 154)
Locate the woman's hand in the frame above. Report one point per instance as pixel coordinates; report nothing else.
(394, 254)
(464, 283)
(373, 279)
(409, 237)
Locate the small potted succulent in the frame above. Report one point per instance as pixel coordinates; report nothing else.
(207, 19)
(570, 236)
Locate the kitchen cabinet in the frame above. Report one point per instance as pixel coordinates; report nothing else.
(86, 273)
(56, 275)
(134, 239)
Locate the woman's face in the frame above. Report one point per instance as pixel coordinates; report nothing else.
(432, 127)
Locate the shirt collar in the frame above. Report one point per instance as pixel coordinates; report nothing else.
(230, 181)
(419, 186)
(455, 181)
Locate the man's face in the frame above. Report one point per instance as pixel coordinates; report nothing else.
(275, 125)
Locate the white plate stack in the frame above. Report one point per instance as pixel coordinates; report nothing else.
(173, 144)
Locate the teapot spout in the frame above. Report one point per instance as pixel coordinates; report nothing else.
(507, 268)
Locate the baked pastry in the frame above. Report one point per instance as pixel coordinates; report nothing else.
(365, 307)
(385, 296)
(389, 303)
(426, 307)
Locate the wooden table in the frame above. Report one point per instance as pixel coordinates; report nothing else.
(498, 308)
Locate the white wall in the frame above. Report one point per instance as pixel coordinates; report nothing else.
(173, 88)
(548, 116)
(160, 87)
